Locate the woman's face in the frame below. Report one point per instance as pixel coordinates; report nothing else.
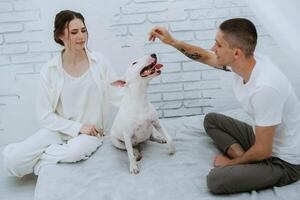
(75, 36)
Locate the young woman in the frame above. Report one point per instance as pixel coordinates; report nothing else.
(73, 103)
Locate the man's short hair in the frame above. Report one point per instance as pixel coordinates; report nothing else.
(240, 33)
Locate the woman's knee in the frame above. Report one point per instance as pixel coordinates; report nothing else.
(75, 155)
(13, 161)
(81, 149)
(19, 158)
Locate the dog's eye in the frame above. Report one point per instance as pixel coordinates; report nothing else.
(134, 63)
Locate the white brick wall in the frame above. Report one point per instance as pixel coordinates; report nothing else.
(20, 32)
(184, 88)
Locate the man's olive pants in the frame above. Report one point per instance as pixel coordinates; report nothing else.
(273, 171)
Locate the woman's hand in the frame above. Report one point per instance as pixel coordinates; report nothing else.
(91, 130)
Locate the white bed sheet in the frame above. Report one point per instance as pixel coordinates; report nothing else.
(105, 175)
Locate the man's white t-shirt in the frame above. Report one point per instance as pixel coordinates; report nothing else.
(269, 99)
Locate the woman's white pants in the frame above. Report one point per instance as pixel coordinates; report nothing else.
(47, 147)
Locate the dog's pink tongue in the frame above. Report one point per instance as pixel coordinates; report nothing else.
(158, 66)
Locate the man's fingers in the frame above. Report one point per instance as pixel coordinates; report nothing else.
(151, 38)
(155, 35)
(156, 32)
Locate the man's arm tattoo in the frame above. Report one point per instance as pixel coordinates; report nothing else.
(194, 56)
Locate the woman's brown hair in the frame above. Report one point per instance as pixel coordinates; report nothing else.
(62, 20)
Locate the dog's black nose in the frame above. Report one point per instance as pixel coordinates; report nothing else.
(153, 55)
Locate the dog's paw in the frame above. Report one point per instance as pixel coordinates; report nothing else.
(134, 169)
(137, 154)
(158, 139)
(172, 148)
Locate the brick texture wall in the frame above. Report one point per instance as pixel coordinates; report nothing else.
(184, 88)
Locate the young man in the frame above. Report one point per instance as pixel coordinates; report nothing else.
(271, 156)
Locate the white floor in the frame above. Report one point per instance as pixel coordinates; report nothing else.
(12, 188)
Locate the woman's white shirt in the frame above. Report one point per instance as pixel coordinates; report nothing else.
(80, 99)
(51, 85)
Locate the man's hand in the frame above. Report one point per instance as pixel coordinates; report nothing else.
(193, 52)
(162, 34)
(91, 130)
(221, 161)
(261, 150)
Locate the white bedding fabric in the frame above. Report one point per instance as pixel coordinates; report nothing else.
(105, 176)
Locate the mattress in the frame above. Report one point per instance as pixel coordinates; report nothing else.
(105, 175)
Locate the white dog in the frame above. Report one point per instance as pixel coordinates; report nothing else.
(137, 117)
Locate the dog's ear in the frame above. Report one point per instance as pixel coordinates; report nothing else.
(118, 83)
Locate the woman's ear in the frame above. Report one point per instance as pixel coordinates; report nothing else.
(118, 83)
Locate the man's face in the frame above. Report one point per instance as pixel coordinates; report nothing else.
(224, 53)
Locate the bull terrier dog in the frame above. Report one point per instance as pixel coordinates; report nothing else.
(137, 118)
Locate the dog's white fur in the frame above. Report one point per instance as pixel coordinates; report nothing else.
(137, 117)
